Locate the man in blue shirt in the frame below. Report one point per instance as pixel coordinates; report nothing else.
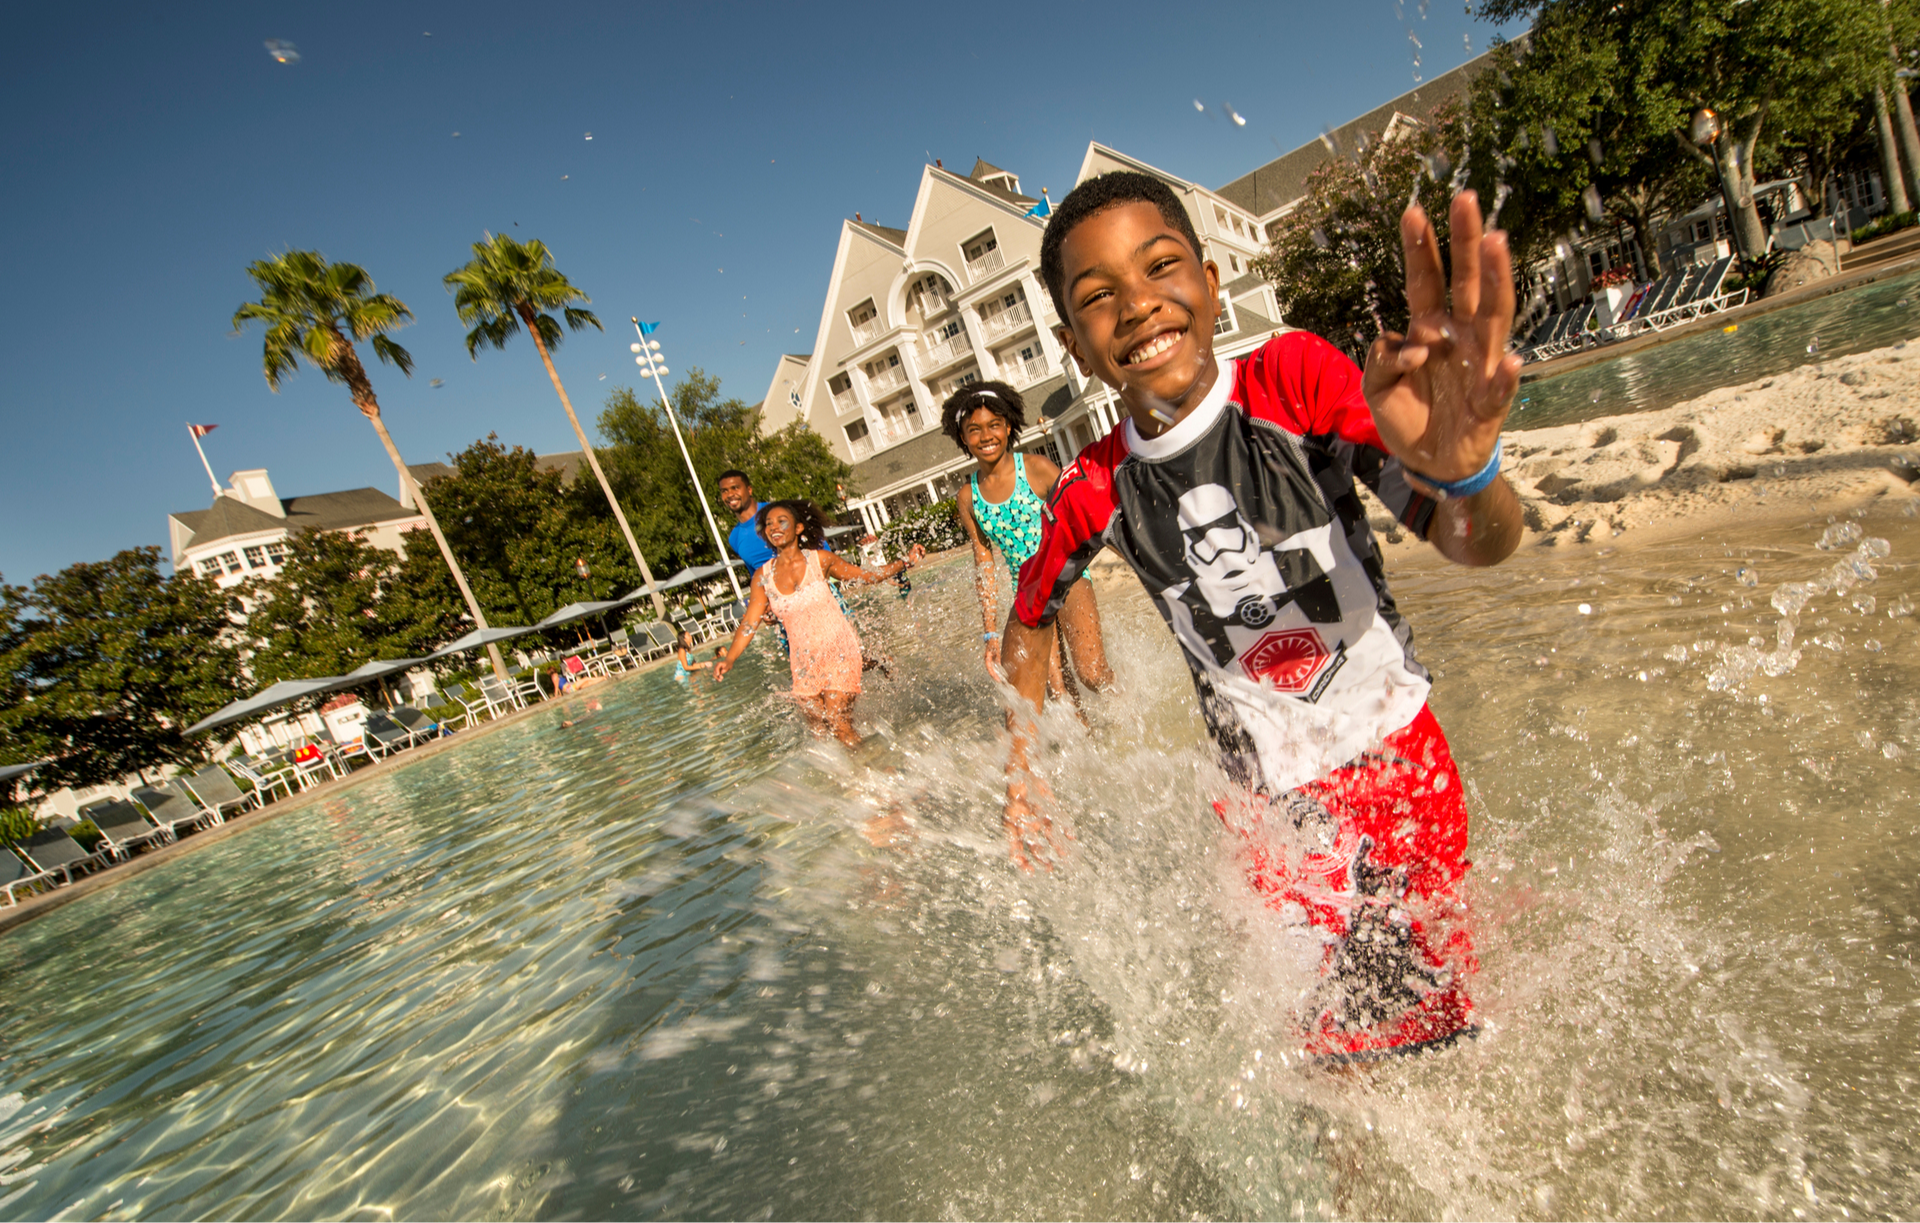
(736, 493)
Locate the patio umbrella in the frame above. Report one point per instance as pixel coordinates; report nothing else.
(10, 771)
(381, 668)
(475, 640)
(681, 578)
(269, 698)
(578, 611)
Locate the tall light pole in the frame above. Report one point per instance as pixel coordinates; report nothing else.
(653, 365)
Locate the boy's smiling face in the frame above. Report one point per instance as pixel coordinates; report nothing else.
(1141, 306)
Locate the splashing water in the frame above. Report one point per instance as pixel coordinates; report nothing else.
(653, 965)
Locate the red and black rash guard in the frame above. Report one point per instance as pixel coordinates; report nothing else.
(1244, 525)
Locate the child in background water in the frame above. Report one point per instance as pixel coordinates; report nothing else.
(1002, 507)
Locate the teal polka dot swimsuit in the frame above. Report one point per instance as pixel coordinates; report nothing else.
(1014, 524)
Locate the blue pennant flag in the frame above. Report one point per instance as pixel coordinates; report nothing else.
(649, 328)
(1043, 209)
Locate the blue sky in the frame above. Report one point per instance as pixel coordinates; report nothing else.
(152, 152)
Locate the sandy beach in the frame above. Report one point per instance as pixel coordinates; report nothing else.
(1825, 437)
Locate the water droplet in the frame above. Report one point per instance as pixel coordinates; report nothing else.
(1466, 41)
(1891, 750)
(1901, 302)
(1902, 606)
(1839, 535)
(589, 135)
(1591, 198)
(1234, 115)
(1320, 238)
(1331, 141)
(1585, 609)
(1813, 345)
(1870, 646)
(1200, 106)
(1549, 143)
(1746, 576)
(282, 51)
(1864, 604)
(1593, 396)
(1593, 151)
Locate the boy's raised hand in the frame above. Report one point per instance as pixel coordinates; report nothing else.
(1441, 392)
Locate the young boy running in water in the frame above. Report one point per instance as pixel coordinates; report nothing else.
(1229, 491)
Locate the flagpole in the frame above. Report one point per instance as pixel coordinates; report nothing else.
(650, 367)
(203, 459)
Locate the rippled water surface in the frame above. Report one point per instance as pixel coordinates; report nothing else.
(652, 964)
(1857, 320)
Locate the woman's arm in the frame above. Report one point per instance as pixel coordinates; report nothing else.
(836, 566)
(756, 610)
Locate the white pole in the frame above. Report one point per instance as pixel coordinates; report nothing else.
(203, 459)
(653, 370)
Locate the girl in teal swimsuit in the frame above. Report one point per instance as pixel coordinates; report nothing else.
(1002, 509)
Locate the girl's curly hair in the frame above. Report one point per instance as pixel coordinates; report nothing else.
(811, 519)
(996, 397)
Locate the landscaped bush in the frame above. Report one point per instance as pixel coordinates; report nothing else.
(16, 824)
(85, 833)
(1885, 225)
(934, 527)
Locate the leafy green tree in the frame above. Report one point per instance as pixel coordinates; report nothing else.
(106, 663)
(339, 602)
(1776, 75)
(644, 462)
(314, 311)
(1335, 260)
(508, 285)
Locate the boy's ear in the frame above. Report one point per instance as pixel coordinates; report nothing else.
(1064, 334)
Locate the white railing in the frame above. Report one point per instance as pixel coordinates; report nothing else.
(985, 265)
(932, 304)
(886, 380)
(844, 401)
(1022, 373)
(950, 386)
(863, 332)
(1016, 315)
(899, 428)
(860, 446)
(951, 348)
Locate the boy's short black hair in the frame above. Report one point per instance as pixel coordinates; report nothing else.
(1096, 195)
(733, 473)
(996, 397)
(812, 522)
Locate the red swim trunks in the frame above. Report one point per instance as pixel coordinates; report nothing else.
(1369, 858)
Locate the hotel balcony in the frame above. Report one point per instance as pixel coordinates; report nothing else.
(864, 332)
(986, 265)
(886, 380)
(946, 352)
(899, 428)
(1011, 319)
(1023, 373)
(844, 401)
(933, 303)
(860, 447)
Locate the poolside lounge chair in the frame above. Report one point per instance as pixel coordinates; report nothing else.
(214, 788)
(418, 724)
(660, 639)
(51, 849)
(122, 828)
(16, 874)
(172, 809)
(265, 777)
(384, 736)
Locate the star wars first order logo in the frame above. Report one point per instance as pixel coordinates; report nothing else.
(1239, 587)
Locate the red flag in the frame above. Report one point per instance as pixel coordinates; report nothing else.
(202, 430)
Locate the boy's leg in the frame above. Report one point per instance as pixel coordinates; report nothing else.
(1080, 626)
(1378, 878)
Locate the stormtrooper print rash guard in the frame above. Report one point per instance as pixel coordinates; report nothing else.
(1243, 523)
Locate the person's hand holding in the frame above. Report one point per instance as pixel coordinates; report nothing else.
(721, 668)
(1441, 392)
(915, 554)
(993, 661)
(1032, 839)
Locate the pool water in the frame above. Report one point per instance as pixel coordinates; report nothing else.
(653, 965)
(1763, 345)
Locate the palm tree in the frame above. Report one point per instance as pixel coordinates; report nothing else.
(508, 285)
(315, 310)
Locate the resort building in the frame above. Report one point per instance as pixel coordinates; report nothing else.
(244, 532)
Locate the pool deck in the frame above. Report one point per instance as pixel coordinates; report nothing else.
(1725, 318)
(46, 902)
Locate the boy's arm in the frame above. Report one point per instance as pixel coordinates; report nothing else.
(1440, 393)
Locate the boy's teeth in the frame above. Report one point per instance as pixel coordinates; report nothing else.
(1154, 347)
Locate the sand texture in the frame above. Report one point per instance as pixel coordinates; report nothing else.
(1822, 437)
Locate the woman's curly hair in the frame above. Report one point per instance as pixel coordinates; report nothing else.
(996, 397)
(811, 519)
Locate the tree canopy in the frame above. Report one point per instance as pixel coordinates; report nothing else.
(315, 310)
(105, 663)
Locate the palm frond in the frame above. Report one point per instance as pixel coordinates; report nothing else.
(506, 279)
(549, 330)
(393, 354)
(495, 331)
(580, 320)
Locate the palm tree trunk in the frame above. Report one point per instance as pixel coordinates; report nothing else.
(372, 410)
(593, 461)
(1889, 159)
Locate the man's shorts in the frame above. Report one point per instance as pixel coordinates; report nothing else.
(1368, 860)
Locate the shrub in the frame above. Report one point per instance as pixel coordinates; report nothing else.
(16, 824)
(1885, 225)
(85, 833)
(934, 527)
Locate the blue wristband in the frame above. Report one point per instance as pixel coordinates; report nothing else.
(988, 636)
(1469, 486)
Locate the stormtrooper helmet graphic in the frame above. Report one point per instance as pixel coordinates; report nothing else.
(1231, 571)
